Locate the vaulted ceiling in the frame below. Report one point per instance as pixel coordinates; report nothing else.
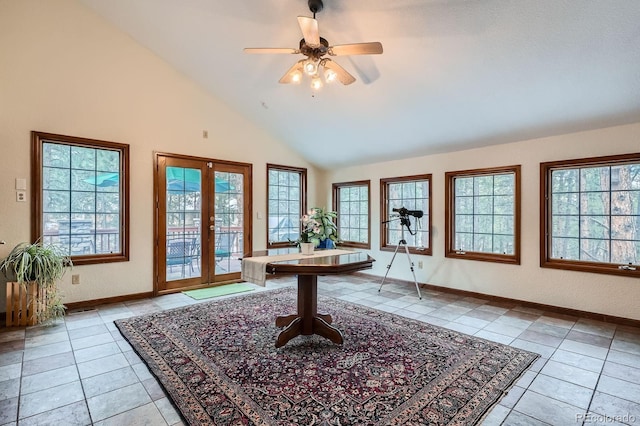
(455, 74)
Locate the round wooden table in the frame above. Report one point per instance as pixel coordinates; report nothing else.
(307, 320)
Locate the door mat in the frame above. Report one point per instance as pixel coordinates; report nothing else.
(223, 290)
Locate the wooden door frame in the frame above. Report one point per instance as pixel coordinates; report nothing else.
(247, 208)
(161, 241)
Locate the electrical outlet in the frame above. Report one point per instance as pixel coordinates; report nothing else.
(21, 196)
(75, 279)
(420, 264)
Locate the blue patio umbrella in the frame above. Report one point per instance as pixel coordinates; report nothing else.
(105, 179)
(178, 179)
(222, 185)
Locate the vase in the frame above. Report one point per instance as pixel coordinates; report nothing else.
(326, 244)
(306, 248)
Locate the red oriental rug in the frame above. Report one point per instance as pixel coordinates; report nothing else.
(218, 362)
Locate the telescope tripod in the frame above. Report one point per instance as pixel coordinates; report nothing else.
(402, 242)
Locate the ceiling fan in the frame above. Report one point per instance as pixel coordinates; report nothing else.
(316, 48)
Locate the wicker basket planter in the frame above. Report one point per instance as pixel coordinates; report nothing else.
(32, 271)
(26, 303)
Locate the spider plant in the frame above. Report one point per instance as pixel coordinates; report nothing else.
(42, 265)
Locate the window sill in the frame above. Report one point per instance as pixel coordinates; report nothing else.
(484, 257)
(596, 268)
(354, 245)
(98, 258)
(412, 250)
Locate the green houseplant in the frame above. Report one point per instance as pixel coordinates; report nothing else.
(36, 268)
(318, 226)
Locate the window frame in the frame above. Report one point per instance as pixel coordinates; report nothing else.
(302, 171)
(546, 261)
(335, 189)
(384, 213)
(38, 139)
(450, 250)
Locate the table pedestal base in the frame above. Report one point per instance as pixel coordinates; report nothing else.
(307, 321)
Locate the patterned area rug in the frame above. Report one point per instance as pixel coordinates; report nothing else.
(218, 362)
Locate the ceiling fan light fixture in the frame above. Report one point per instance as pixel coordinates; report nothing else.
(330, 75)
(316, 83)
(311, 67)
(296, 76)
(317, 66)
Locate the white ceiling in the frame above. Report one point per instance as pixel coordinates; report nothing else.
(454, 74)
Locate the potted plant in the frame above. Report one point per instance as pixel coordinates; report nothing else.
(319, 228)
(33, 271)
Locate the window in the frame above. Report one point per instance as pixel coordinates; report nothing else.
(482, 219)
(351, 201)
(412, 193)
(590, 218)
(81, 203)
(287, 192)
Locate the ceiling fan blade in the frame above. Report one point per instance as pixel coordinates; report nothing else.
(309, 27)
(270, 50)
(373, 48)
(295, 72)
(343, 76)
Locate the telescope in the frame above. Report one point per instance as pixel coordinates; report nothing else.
(404, 222)
(402, 212)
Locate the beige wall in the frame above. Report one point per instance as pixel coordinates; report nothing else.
(604, 294)
(64, 70)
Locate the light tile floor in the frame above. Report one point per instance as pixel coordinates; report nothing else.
(81, 371)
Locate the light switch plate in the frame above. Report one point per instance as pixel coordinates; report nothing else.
(21, 183)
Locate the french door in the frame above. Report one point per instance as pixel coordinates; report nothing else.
(202, 221)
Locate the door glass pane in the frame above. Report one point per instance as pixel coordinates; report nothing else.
(229, 221)
(183, 217)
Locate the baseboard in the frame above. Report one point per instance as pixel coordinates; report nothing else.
(116, 299)
(75, 306)
(549, 308)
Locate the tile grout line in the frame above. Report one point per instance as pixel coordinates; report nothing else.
(73, 353)
(593, 394)
(21, 376)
